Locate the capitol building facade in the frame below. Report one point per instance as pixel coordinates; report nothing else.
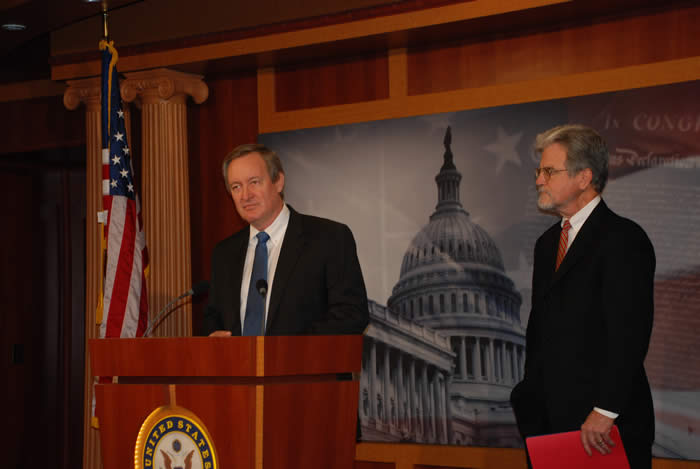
(441, 358)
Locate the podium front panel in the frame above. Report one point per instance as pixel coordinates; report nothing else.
(265, 402)
(310, 425)
(226, 411)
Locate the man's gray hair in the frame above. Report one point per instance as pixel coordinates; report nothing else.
(585, 148)
(272, 161)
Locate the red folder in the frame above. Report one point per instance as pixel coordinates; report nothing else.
(565, 450)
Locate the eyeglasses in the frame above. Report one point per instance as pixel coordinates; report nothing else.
(547, 172)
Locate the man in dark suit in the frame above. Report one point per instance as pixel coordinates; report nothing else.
(286, 273)
(592, 307)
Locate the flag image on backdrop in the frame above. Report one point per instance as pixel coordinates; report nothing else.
(124, 305)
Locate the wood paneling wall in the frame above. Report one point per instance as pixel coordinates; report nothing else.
(632, 41)
(41, 322)
(18, 336)
(134, 25)
(343, 82)
(652, 49)
(38, 123)
(227, 119)
(268, 46)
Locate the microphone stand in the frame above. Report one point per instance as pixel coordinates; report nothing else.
(159, 316)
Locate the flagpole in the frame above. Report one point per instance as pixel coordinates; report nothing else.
(104, 21)
(94, 422)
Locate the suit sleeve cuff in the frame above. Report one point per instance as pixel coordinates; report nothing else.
(607, 413)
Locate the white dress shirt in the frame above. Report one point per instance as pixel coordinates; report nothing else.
(579, 218)
(577, 221)
(276, 232)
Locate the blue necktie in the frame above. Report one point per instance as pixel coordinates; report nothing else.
(255, 308)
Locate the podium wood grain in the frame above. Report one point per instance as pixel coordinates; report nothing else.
(308, 414)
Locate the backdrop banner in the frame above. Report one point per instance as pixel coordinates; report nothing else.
(443, 209)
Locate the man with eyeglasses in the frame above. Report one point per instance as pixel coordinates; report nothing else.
(592, 307)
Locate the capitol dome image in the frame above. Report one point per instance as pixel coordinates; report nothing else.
(443, 355)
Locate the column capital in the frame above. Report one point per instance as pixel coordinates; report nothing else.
(162, 84)
(86, 91)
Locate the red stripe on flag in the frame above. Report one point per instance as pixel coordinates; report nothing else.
(122, 277)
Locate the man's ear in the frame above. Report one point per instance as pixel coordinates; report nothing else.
(279, 183)
(584, 177)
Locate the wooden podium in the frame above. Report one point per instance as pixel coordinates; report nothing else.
(267, 402)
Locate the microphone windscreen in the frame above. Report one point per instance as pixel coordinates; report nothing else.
(200, 288)
(261, 286)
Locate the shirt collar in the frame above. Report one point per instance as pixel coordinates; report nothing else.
(276, 230)
(580, 217)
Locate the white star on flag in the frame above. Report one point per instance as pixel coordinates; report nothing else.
(124, 173)
(119, 136)
(120, 113)
(114, 183)
(116, 160)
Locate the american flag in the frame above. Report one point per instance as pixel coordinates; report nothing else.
(125, 300)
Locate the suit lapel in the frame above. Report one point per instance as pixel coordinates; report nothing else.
(239, 249)
(289, 255)
(582, 243)
(549, 252)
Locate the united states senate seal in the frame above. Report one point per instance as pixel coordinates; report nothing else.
(174, 437)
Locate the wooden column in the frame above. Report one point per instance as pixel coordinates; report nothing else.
(162, 93)
(88, 92)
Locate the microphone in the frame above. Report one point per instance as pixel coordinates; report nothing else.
(196, 290)
(261, 287)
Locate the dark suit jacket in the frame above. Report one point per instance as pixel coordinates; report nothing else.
(589, 330)
(318, 286)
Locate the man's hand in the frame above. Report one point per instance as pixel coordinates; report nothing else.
(595, 433)
(220, 334)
